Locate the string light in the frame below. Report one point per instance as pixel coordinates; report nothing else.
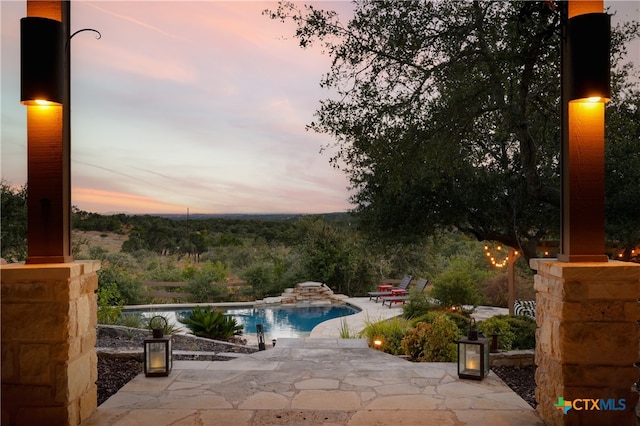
(497, 256)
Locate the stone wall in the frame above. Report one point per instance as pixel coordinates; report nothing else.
(309, 292)
(49, 363)
(515, 358)
(588, 339)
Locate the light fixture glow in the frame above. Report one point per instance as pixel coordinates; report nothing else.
(591, 100)
(42, 102)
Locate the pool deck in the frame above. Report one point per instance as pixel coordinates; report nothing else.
(313, 381)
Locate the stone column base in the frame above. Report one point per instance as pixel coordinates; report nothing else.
(49, 362)
(587, 342)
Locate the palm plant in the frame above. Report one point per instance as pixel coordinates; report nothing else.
(211, 324)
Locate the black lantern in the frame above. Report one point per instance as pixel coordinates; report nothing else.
(260, 330)
(589, 47)
(473, 355)
(42, 60)
(158, 357)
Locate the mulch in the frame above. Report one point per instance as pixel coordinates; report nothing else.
(114, 373)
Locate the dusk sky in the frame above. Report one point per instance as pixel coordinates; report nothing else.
(189, 105)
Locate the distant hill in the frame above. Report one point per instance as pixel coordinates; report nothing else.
(250, 216)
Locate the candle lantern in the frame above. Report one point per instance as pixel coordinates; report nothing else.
(158, 357)
(473, 355)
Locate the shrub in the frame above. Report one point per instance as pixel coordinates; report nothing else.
(523, 329)
(390, 332)
(261, 277)
(128, 286)
(98, 253)
(414, 344)
(441, 340)
(417, 305)
(495, 290)
(110, 304)
(132, 320)
(203, 290)
(502, 327)
(455, 287)
(159, 271)
(432, 341)
(211, 324)
(202, 280)
(337, 257)
(461, 320)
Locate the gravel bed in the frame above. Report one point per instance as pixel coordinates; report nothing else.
(521, 380)
(125, 337)
(114, 373)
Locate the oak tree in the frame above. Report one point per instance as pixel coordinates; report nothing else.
(446, 113)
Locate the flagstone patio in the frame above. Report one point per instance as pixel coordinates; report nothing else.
(314, 381)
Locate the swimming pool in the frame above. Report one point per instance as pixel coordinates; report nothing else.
(278, 321)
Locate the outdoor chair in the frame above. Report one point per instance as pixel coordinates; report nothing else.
(403, 285)
(525, 307)
(419, 288)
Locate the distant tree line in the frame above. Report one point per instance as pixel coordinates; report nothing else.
(267, 255)
(264, 257)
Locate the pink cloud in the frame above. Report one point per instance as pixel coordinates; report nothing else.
(95, 200)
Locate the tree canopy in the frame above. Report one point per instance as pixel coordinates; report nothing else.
(447, 113)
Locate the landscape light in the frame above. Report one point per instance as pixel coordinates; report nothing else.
(260, 332)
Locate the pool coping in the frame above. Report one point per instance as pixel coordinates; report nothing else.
(254, 304)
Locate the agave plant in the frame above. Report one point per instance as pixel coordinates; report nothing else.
(160, 321)
(211, 324)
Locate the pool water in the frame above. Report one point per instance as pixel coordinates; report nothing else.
(278, 321)
(285, 321)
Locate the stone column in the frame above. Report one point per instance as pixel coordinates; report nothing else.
(49, 362)
(587, 341)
